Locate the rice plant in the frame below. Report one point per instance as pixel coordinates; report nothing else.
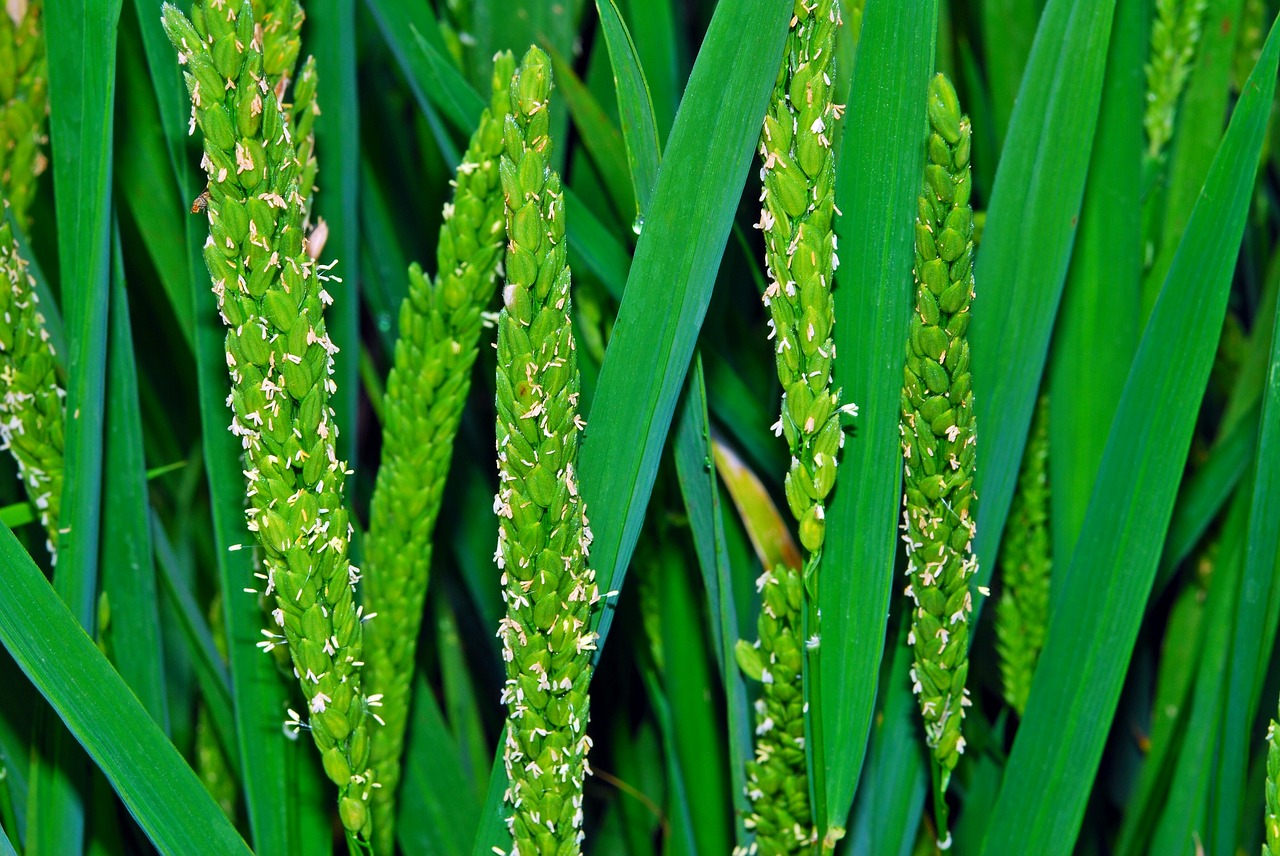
(875, 408)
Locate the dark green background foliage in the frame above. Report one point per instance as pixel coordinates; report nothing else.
(1134, 289)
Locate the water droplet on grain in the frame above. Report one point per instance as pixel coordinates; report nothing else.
(638, 225)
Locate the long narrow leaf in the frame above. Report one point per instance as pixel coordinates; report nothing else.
(671, 276)
(1185, 814)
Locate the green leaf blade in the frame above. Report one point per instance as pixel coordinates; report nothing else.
(164, 796)
(877, 184)
(1026, 247)
(1091, 635)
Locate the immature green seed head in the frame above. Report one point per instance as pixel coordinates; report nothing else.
(279, 32)
(543, 537)
(1175, 32)
(272, 296)
(797, 213)
(777, 778)
(32, 413)
(24, 99)
(938, 431)
(440, 329)
(1022, 613)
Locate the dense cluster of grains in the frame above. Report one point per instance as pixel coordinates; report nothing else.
(1022, 613)
(543, 536)
(798, 206)
(776, 782)
(271, 297)
(279, 30)
(1271, 836)
(938, 436)
(302, 121)
(32, 410)
(24, 99)
(1175, 33)
(439, 336)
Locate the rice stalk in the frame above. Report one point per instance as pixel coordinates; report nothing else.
(798, 208)
(426, 390)
(271, 296)
(543, 534)
(938, 442)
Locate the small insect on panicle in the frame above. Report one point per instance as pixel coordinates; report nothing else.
(201, 203)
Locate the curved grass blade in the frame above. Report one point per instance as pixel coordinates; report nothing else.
(602, 141)
(438, 814)
(890, 801)
(145, 177)
(337, 128)
(1091, 634)
(700, 799)
(877, 186)
(766, 527)
(210, 671)
(1203, 495)
(656, 36)
(1175, 676)
(164, 796)
(436, 84)
(430, 74)
(1008, 29)
(15, 734)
